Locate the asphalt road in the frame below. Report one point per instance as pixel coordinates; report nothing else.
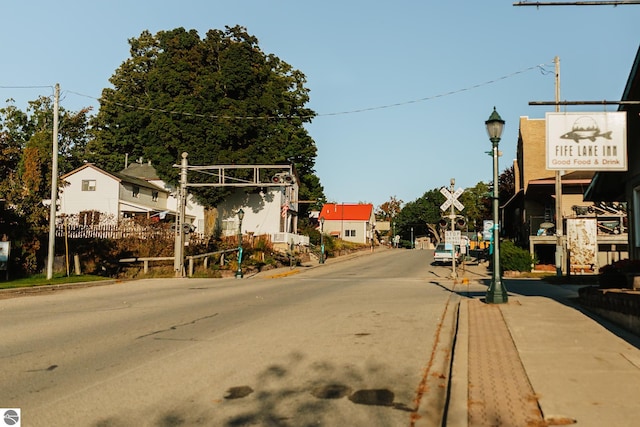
(351, 343)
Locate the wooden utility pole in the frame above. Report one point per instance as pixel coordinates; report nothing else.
(560, 252)
(54, 185)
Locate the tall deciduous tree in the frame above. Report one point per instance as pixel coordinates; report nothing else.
(388, 210)
(25, 164)
(477, 205)
(220, 99)
(506, 184)
(419, 213)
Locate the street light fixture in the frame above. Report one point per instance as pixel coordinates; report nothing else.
(239, 274)
(321, 240)
(497, 293)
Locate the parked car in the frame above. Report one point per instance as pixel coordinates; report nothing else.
(442, 255)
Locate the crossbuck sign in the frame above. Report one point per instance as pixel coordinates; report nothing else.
(451, 198)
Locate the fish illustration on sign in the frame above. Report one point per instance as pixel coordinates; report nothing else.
(585, 128)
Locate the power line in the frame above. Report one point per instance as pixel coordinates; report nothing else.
(577, 3)
(539, 67)
(453, 92)
(27, 87)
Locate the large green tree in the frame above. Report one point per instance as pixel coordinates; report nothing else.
(419, 214)
(220, 99)
(477, 205)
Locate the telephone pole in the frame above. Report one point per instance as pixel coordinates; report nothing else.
(560, 252)
(54, 185)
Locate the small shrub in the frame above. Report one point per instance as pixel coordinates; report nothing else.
(514, 258)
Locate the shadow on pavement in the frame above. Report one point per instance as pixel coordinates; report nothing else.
(566, 294)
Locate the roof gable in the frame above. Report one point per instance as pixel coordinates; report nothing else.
(346, 212)
(119, 177)
(90, 166)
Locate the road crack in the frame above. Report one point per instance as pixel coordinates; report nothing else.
(174, 327)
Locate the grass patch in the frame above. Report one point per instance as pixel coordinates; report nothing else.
(41, 279)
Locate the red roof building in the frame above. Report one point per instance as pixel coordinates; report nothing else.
(350, 222)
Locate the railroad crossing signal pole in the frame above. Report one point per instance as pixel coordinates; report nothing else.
(453, 203)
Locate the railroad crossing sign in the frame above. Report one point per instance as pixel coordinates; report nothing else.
(451, 198)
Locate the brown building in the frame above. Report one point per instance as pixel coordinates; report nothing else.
(530, 216)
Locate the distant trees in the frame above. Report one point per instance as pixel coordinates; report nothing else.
(418, 214)
(26, 142)
(388, 210)
(424, 213)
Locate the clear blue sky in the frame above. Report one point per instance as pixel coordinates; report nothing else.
(357, 55)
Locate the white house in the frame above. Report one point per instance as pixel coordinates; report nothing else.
(97, 196)
(194, 211)
(272, 211)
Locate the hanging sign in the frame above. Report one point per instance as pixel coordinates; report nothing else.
(587, 141)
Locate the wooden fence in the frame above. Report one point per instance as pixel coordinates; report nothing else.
(112, 232)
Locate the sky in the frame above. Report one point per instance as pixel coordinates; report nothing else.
(401, 89)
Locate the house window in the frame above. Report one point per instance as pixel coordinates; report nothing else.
(88, 185)
(154, 196)
(350, 233)
(136, 191)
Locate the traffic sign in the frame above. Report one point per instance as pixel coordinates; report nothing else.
(451, 198)
(453, 236)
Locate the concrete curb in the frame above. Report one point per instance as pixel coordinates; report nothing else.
(34, 290)
(437, 374)
(457, 408)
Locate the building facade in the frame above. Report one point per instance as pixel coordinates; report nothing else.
(350, 222)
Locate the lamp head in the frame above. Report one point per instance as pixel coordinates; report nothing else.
(241, 214)
(495, 125)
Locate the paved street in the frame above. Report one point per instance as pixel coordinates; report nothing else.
(382, 339)
(361, 342)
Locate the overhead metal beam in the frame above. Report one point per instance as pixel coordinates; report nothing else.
(584, 102)
(257, 175)
(577, 3)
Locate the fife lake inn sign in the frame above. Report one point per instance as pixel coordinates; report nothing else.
(587, 141)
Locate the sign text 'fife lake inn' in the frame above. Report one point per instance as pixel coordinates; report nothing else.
(587, 141)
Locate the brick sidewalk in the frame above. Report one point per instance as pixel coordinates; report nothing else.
(500, 393)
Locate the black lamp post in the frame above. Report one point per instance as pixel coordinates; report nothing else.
(321, 240)
(239, 274)
(497, 293)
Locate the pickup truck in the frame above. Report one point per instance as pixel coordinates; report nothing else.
(443, 256)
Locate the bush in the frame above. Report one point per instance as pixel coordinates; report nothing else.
(514, 258)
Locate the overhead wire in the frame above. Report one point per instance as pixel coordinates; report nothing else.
(540, 67)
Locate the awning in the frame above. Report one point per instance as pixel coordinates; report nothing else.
(606, 187)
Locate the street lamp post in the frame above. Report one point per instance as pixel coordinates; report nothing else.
(239, 274)
(497, 293)
(411, 237)
(321, 240)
